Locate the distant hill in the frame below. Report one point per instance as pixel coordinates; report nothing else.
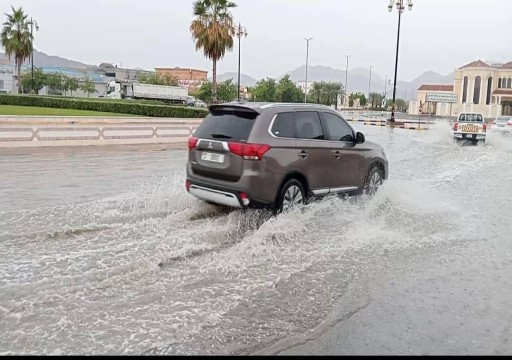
(43, 60)
(358, 80)
(245, 80)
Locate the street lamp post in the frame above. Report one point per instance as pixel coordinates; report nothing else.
(400, 6)
(241, 31)
(307, 64)
(346, 79)
(32, 24)
(370, 83)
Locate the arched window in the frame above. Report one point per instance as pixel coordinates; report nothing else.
(499, 83)
(465, 90)
(509, 83)
(489, 91)
(476, 93)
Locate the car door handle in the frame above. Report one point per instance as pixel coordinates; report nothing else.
(336, 154)
(303, 154)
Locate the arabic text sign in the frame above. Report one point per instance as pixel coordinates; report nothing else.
(442, 97)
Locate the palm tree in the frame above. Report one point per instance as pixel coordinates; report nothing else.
(17, 39)
(213, 31)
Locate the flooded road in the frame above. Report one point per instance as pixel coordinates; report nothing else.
(103, 252)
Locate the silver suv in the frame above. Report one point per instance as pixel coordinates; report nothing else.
(275, 156)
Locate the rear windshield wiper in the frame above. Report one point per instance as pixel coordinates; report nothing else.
(221, 136)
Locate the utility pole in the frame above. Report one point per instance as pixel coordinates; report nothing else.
(241, 31)
(346, 79)
(370, 84)
(400, 6)
(307, 64)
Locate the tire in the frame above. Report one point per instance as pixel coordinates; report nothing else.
(374, 181)
(292, 193)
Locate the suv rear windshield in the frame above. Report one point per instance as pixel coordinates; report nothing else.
(471, 118)
(227, 125)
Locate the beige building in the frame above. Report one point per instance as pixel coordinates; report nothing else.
(184, 74)
(478, 87)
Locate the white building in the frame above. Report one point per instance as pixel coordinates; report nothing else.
(478, 87)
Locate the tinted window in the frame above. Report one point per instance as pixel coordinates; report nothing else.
(308, 125)
(227, 125)
(283, 125)
(471, 118)
(337, 128)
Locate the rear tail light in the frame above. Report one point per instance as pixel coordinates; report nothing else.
(249, 151)
(485, 127)
(509, 123)
(456, 127)
(187, 185)
(245, 199)
(192, 143)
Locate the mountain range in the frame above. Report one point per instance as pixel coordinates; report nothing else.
(358, 78)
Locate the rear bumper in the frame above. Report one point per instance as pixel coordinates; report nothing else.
(224, 196)
(463, 136)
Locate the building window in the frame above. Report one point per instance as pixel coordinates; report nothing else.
(478, 86)
(465, 90)
(489, 91)
(499, 83)
(509, 83)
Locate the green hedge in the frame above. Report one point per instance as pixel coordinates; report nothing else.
(119, 106)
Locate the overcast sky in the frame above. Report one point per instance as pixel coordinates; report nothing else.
(437, 35)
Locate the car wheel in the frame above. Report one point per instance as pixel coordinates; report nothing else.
(374, 180)
(291, 195)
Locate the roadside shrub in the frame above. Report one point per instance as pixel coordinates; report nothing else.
(114, 106)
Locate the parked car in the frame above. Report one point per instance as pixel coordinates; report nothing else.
(279, 155)
(200, 104)
(502, 125)
(470, 126)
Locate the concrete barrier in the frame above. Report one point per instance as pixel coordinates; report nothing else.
(38, 131)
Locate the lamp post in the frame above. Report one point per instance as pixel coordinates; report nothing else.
(370, 83)
(32, 24)
(240, 32)
(307, 64)
(400, 6)
(346, 79)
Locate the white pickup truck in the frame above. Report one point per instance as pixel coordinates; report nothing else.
(470, 127)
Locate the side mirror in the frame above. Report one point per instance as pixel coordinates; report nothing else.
(360, 139)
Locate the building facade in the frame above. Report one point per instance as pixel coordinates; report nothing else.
(184, 74)
(478, 87)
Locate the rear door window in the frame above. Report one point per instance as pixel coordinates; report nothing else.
(227, 125)
(308, 126)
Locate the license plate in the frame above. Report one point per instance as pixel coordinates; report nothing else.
(212, 157)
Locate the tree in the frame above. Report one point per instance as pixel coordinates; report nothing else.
(265, 91)
(205, 92)
(357, 96)
(37, 85)
(325, 93)
(88, 86)
(401, 104)
(17, 39)
(54, 81)
(213, 31)
(155, 79)
(288, 92)
(72, 85)
(375, 100)
(227, 91)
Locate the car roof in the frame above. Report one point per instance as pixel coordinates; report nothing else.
(259, 107)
